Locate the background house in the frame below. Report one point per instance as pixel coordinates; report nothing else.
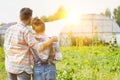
(3, 28)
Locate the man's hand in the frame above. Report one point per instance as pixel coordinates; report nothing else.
(49, 42)
(54, 38)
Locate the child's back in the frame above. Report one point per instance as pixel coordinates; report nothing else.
(51, 53)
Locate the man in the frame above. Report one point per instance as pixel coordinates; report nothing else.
(18, 40)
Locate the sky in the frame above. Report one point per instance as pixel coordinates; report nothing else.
(9, 9)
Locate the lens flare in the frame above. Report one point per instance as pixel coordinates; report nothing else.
(73, 17)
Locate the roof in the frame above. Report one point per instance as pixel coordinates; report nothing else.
(93, 23)
(4, 26)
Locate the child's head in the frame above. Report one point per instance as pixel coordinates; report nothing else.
(38, 25)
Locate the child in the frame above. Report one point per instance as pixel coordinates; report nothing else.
(44, 68)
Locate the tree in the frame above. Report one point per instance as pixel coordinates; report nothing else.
(61, 13)
(117, 15)
(51, 18)
(108, 13)
(44, 18)
(102, 14)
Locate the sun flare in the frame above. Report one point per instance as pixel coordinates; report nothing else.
(73, 17)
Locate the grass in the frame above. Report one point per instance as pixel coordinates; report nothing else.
(83, 63)
(89, 63)
(2, 66)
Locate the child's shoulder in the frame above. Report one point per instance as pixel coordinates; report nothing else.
(42, 37)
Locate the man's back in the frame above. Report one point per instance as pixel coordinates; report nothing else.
(16, 49)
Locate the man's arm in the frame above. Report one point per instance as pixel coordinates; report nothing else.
(49, 42)
(38, 46)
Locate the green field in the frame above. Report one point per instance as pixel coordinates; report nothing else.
(83, 63)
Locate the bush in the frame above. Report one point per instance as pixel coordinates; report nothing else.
(3, 73)
(1, 41)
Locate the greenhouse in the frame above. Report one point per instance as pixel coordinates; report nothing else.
(88, 25)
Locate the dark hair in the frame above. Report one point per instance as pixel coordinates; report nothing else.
(38, 22)
(25, 13)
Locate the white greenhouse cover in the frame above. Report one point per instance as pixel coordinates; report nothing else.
(86, 27)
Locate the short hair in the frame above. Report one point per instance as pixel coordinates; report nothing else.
(25, 13)
(38, 22)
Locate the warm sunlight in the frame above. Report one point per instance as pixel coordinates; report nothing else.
(73, 16)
